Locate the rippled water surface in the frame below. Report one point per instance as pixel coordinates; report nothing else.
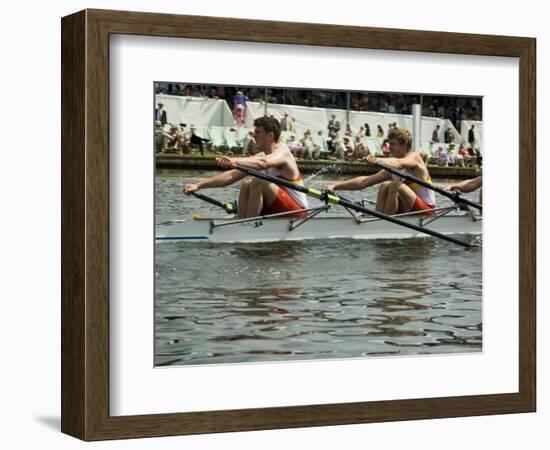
(342, 298)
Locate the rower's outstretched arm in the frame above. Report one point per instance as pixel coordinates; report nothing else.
(261, 161)
(466, 185)
(410, 161)
(222, 179)
(362, 182)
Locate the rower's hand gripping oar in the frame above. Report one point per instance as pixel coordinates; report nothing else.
(453, 195)
(229, 207)
(329, 197)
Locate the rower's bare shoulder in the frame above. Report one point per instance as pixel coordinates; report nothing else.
(282, 153)
(420, 164)
(418, 158)
(282, 147)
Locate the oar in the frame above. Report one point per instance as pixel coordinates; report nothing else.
(333, 198)
(454, 195)
(229, 207)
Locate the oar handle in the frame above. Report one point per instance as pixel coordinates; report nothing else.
(454, 195)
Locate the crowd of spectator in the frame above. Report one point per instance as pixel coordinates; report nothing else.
(334, 142)
(460, 157)
(182, 140)
(444, 107)
(178, 138)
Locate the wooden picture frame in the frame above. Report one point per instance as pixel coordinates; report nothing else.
(85, 224)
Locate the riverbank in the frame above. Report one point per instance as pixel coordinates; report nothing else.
(173, 161)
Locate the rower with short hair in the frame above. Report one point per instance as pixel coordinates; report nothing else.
(397, 195)
(258, 196)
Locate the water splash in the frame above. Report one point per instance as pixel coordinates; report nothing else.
(330, 169)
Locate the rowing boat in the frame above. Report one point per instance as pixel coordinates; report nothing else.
(362, 222)
(316, 225)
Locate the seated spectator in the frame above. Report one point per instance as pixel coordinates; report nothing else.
(309, 148)
(360, 151)
(175, 141)
(380, 132)
(197, 141)
(460, 162)
(186, 140)
(331, 143)
(340, 149)
(295, 146)
(464, 154)
(320, 146)
(249, 144)
(452, 157)
(442, 157)
(161, 137)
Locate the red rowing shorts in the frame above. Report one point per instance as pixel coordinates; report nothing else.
(283, 203)
(421, 205)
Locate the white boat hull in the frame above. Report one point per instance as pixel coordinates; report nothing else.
(278, 229)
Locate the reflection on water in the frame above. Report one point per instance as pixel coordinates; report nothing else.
(285, 301)
(307, 300)
(283, 252)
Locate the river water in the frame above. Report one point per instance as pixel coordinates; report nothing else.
(285, 301)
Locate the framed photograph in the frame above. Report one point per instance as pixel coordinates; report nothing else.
(220, 311)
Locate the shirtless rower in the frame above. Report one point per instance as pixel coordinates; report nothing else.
(260, 197)
(395, 194)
